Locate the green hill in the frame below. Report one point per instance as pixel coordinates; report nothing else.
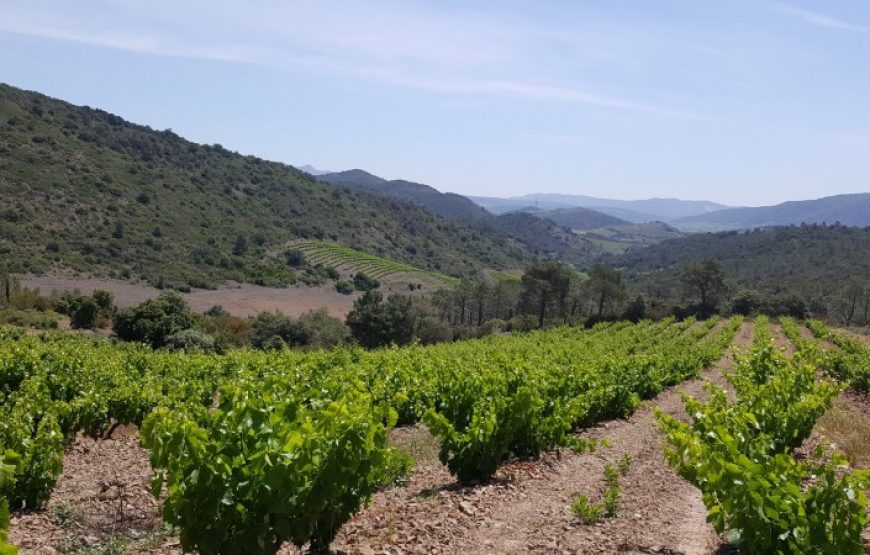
(543, 237)
(813, 261)
(85, 191)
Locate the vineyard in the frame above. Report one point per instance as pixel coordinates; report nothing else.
(346, 258)
(253, 452)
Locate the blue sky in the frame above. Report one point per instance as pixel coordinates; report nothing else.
(738, 101)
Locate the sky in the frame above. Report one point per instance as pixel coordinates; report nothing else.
(744, 102)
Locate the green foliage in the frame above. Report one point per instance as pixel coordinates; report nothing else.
(585, 511)
(624, 464)
(190, 340)
(791, 269)
(739, 455)
(331, 254)
(322, 330)
(265, 468)
(255, 447)
(363, 282)
(374, 322)
(98, 170)
(344, 287)
(155, 320)
(850, 362)
(522, 404)
(590, 513)
(7, 481)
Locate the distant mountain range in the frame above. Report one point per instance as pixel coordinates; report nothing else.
(849, 210)
(540, 235)
(309, 169)
(637, 211)
(570, 233)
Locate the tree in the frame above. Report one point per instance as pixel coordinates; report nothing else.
(606, 287)
(84, 315)
(322, 330)
(270, 330)
(154, 320)
(363, 282)
(374, 323)
(241, 246)
(636, 310)
(545, 288)
(706, 282)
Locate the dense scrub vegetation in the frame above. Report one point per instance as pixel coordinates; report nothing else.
(822, 269)
(88, 191)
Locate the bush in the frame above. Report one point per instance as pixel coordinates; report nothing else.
(432, 330)
(84, 316)
(288, 469)
(190, 340)
(268, 327)
(363, 282)
(29, 319)
(522, 323)
(322, 330)
(344, 287)
(295, 258)
(375, 323)
(153, 321)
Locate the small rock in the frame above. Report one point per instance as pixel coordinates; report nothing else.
(466, 508)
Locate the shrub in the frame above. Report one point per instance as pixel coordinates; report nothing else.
(190, 340)
(363, 282)
(375, 323)
(344, 287)
(84, 315)
(322, 330)
(154, 320)
(432, 330)
(295, 258)
(274, 330)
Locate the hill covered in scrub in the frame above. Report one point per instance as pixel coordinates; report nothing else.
(83, 190)
(544, 236)
(818, 263)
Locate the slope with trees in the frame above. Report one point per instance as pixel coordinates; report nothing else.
(83, 190)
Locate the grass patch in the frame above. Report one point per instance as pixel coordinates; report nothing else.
(848, 427)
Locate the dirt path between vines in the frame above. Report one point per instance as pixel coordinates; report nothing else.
(781, 341)
(527, 507)
(102, 499)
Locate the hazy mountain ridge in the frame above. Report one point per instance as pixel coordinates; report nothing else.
(849, 210)
(541, 236)
(636, 211)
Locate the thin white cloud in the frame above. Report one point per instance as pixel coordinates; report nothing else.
(329, 63)
(819, 19)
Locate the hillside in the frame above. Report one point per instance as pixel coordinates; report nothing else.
(851, 210)
(619, 238)
(580, 218)
(448, 205)
(542, 237)
(812, 261)
(85, 191)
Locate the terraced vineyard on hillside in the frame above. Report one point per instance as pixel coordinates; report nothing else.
(346, 258)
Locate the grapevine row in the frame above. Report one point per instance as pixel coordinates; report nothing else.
(739, 453)
(254, 449)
